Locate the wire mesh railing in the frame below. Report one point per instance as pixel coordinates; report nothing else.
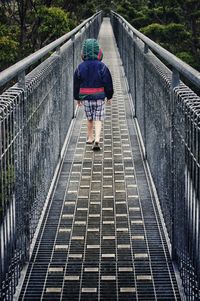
(168, 115)
(35, 116)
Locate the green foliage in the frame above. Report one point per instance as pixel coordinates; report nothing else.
(8, 50)
(187, 58)
(9, 31)
(140, 22)
(166, 33)
(8, 45)
(174, 24)
(128, 11)
(88, 10)
(164, 15)
(53, 22)
(172, 36)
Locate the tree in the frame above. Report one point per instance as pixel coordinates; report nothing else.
(172, 23)
(50, 23)
(165, 34)
(9, 45)
(191, 13)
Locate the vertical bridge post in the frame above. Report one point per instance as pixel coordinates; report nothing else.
(175, 82)
(145, 51)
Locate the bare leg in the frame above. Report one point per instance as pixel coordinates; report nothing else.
(90, 130)
(97, 130)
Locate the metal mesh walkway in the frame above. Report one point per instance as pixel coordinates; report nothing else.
(102, 238)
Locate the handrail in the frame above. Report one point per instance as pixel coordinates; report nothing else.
(23, 64)
(190, 73)
(36, 118)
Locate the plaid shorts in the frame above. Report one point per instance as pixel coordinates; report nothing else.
(95, 109)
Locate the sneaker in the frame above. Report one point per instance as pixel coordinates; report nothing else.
(96, 146)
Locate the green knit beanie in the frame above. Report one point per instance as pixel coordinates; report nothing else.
(91, 50)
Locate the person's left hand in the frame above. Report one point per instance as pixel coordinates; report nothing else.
(79, 103)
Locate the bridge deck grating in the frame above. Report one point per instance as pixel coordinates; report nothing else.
(102, 237)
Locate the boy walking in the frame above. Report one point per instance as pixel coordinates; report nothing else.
(92, 84)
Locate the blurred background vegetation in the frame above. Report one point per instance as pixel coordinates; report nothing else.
(28, 25)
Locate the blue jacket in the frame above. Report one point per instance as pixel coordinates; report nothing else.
(92, 80)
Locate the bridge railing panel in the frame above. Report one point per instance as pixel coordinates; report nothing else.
(159, 137)
(168, 115)
(139, 87)
(66, 58)
(187, 188)
(35, 116)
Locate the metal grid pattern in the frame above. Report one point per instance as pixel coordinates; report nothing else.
(187, 189)
(35, 116)
(102, 238)
(168, 115)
